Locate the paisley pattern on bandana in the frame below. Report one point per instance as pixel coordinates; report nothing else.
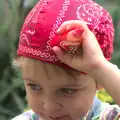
(46, 17)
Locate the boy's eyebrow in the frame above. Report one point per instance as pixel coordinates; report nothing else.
(73, 85)
(65, 85)
(27, 79)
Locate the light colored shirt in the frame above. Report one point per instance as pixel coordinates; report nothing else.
(99, 111)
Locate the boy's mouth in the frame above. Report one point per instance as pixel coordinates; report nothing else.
(62, 117)
(58, 118)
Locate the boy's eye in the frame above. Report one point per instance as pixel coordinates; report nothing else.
(34, 87)
(68, 90)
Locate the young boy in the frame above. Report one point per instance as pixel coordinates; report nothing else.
(61, 84)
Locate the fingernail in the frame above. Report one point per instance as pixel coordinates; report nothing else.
(83, 73)
(58, 30)
(78, 32)
(67, 28)
(54, 48)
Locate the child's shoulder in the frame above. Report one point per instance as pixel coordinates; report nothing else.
(107, 112)
(29, 115)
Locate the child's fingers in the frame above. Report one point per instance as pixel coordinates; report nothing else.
(75, 35)
(62, 28)
(68, 25)
(63, 56)
(69, 59)
(90, 43)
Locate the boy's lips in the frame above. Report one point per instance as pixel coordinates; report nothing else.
(58, 118)
(62, 117)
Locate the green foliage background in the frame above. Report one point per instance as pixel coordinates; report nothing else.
(12, 15)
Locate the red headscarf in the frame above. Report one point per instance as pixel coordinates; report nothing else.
(45, 18)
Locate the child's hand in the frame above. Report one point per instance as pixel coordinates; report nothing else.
(68, 39)
(89, 56)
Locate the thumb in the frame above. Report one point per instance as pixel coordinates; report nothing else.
(71, 60)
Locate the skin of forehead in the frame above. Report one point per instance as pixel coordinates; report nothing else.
(46, 69)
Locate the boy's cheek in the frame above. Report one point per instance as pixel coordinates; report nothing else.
(33, 100)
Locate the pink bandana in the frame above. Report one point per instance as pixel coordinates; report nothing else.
(45, 18)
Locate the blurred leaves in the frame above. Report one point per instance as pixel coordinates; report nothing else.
(13, 13)
(12, 93)
(104, 96)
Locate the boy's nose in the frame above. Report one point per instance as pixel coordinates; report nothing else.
(50, 105)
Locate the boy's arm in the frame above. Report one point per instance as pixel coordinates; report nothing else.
(108, 75)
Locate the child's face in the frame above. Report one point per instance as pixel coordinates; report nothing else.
(57, 94)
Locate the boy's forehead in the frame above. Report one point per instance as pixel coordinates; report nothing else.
(46, 74)
(41, 65)
(32, 66)
(34, 69)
